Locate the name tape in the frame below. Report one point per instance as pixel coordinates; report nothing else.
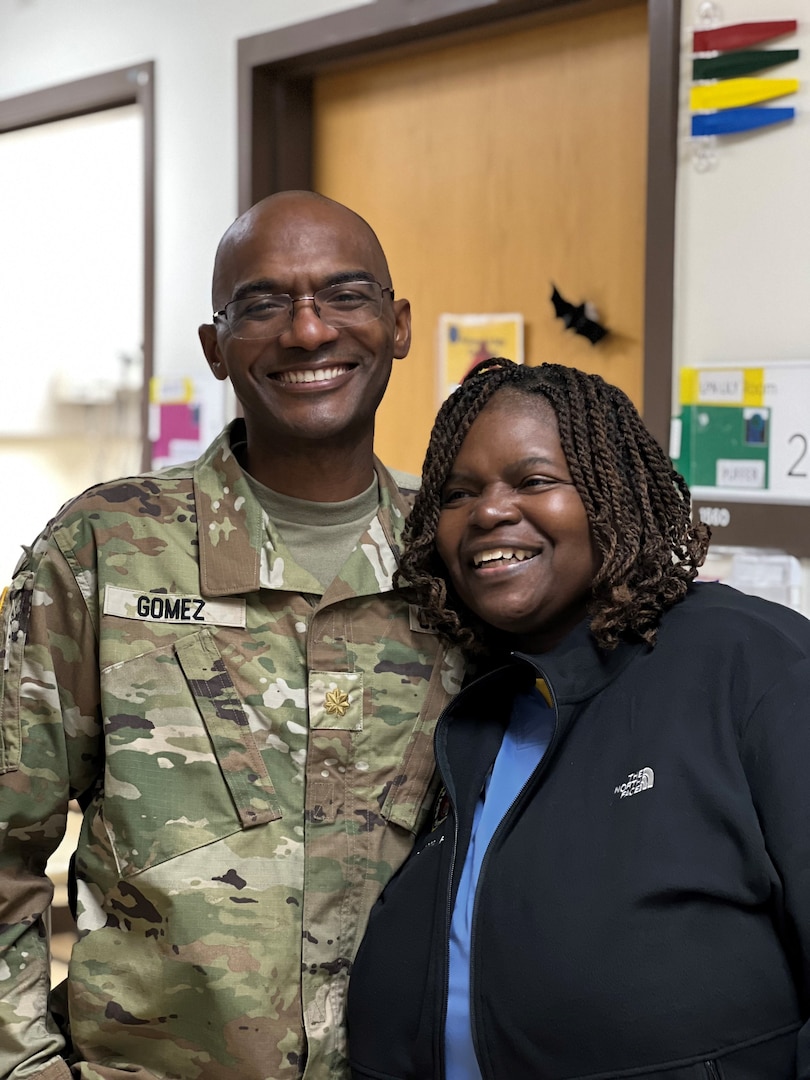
(167, 608)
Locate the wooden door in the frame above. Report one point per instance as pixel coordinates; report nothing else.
(490, 169)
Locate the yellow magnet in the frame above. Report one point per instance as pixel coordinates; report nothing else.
(732, 93)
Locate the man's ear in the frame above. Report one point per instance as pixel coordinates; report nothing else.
(210, 345)
(402, 328)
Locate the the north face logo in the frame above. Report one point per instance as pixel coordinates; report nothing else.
(636, 782)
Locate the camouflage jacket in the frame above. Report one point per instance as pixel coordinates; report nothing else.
(254, 760)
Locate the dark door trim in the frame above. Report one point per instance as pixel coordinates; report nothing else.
(133, 85)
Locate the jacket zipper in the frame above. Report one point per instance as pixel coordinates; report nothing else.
(712, 1071)
(440, 1056)
(447, 922)
(485, 1072)
(448, 898)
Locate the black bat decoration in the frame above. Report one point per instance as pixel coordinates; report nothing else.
(576, 318)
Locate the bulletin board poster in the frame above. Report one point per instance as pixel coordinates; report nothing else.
(745, 432)
(464, 340)
(183, 418)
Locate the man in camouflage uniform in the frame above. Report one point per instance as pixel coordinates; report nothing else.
(214, 661)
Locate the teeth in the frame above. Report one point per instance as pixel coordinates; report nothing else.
(502, 554)
(311, 375)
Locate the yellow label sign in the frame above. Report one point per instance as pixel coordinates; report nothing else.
(723, 386)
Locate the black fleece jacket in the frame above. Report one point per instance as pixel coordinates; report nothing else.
(644, 908)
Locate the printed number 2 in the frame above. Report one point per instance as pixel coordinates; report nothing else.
(793, 470)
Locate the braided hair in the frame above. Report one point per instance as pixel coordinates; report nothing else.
(637, 505)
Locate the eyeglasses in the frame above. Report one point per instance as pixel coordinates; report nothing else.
(266, 315)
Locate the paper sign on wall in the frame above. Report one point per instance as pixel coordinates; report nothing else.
(464, 340)
(745, 431)
(184, 417)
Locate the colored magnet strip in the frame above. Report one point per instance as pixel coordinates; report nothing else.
(731, 93)
(733, 120)
(740, 35)
(734, 64)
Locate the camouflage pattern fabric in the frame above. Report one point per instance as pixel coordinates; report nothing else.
(254, 760)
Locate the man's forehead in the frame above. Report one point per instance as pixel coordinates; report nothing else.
(319, 241)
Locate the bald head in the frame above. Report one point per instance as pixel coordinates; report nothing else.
(280, 221)
(315, 381)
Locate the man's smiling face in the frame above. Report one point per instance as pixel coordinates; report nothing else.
(313, 382)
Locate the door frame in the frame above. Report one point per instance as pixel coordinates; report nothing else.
(134, 85)
(276, 72)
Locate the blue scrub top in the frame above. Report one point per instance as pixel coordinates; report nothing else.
(525, 741)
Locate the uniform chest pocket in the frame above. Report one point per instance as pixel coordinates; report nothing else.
(404, 694)
(182, 766)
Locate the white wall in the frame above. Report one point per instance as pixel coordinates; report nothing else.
(742, 268)
(79, 327)
(70, 354)
(194, 46)
(193, 43)
(742, 288)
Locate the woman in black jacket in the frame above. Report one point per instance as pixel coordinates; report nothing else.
(616, 880)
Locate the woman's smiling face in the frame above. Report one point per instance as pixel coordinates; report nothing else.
(513, 532)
